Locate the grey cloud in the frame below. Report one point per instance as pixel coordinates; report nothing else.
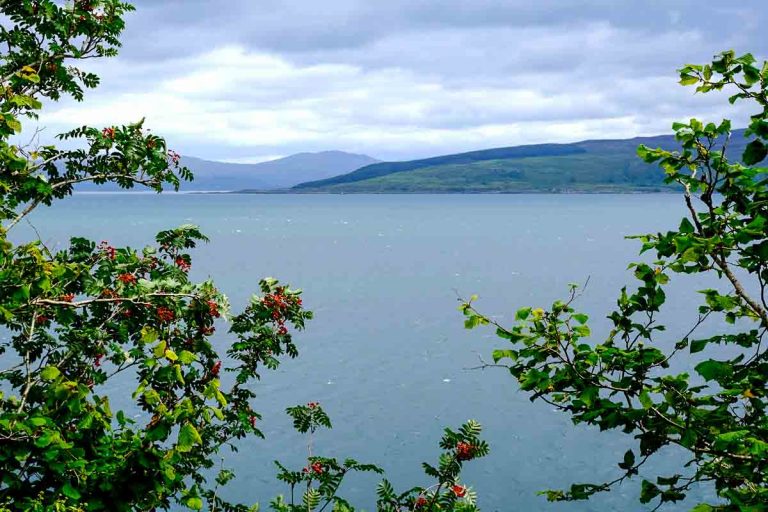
(410, 78)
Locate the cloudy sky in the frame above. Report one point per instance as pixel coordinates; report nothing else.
(246, 80)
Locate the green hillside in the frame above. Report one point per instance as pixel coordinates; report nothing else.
(589, 166)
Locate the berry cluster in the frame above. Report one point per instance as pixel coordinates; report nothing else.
(316, 468)
(279, 303)
(216, 368)
(107, 249)
(174, 156)
(183, 264)
(459, 490)
(213, 309)
(127, 278)
(465, 451)
(165, 314)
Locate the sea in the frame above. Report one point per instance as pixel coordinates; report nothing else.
(387, 354)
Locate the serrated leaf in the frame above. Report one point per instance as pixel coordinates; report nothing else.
(188, 438)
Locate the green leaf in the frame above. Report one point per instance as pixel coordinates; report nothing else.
(645, 399)
(698, 345)
(148, 335)
(195, 503)
(522, 313)
(498, 355)
(188, 437)
(187, 357)
(50, 373)
(70, 492)
(714, 370)
(686, 226)
(755, 153)
(648, 491)
(581, 318)
(688, 79)
(629, 460)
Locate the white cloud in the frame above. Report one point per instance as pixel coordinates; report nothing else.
(407, 93)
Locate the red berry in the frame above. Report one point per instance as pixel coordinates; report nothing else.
(465, 451)
(459, 490)
(213, 309)
(183, 264)
(165, 314)
(127, 278)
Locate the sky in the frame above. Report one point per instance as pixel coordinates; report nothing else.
(248, 81)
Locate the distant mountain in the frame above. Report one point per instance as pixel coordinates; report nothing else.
(275, 174)
(588, 166)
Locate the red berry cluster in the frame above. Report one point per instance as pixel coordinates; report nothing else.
(216, 368)
(183, 264)
(459, 490)
(108, 133)
(316, 468)
(174, 156)
(85, 5)
(279, 303)
(68, 297)
(213, 309)
(165, 314)
(97, 360)
(107, 249)
(152, 262)
(127, 278)
(465, 451)
(252, 420)
(207, 331)
(421, 502)
(313, 405)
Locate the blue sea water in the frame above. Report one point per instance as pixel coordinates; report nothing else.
(387, 354)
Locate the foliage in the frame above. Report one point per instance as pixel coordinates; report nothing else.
(718, 415)
(92, 316)
(322, 476)
(93, 313)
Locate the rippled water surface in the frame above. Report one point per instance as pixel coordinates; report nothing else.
(387, 354)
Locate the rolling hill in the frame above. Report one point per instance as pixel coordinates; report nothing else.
(587, 166)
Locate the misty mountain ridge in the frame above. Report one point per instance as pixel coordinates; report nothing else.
(282, 173)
